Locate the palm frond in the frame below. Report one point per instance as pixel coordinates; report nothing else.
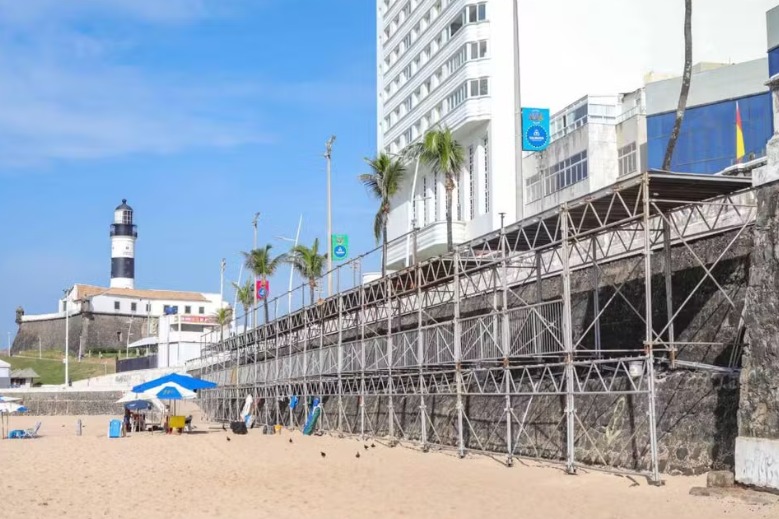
(223, 316)
(260, 262)
(245, 294)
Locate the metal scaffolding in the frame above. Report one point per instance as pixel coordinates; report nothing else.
(487, 349)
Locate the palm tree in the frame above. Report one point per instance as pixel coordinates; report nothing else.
(383, 183)
(260, 262)
(444, 155)
(223, 317)
(245, 296)
(308, 263)
(685, 91)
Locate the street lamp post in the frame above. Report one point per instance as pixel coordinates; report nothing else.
(222, 267)
(411, 208)
(291, 268)
(254, 287)
(328, 156)
(67, 337)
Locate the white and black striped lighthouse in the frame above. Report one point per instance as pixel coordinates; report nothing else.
(123, 236)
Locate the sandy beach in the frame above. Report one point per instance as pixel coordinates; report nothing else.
(213, 473)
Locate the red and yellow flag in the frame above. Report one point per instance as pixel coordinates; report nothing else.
(740, 152)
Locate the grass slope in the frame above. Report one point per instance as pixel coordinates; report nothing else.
(52, 370)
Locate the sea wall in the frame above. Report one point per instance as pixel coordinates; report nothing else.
(52, 403)
(90, 331)
(695, 410)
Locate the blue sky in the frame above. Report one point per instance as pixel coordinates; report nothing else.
(199, 112)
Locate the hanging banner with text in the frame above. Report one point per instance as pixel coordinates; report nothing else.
(535, 129)
(339, 247)
(263, 288)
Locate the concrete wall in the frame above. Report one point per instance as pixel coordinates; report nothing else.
(600, 142)
(121, 381)
(51, 403)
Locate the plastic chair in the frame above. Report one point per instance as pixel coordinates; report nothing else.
(115, 429)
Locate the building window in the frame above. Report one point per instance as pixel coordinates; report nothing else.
(436, 212)
(458, 195)
(64, 306)
(565, 173)
(486, 145)
(201, 310)
(479, 87)
(457, 98)
(456, 25)
(478, 49)
(457, 61)
(148, 308)
(534, 188)
(414, 209)
(133, 307)
(116, 305)
(627, 159)
(424, 201)
(471, 187)
(187, 309)
(476, 12)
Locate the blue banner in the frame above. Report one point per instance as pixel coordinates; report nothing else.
(535, 129)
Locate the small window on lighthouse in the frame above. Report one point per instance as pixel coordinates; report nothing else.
(127, 217)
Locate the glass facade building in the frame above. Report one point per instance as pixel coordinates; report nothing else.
(707, 141)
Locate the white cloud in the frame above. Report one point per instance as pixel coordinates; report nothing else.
(65, 97)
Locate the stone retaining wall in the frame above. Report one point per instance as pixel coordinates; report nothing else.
(75, 403)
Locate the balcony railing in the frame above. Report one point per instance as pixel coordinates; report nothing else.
(430, 241)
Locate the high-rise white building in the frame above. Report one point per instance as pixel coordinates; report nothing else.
(450, 63)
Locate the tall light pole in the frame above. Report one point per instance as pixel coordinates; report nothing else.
(254, 286)
(67, 337)
(291, 268)
(328, 156)
(412, 207)
(222, 267)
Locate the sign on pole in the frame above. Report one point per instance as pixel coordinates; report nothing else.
(263, 287)
(535, 129)
(339, 247)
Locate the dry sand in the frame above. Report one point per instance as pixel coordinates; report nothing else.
(204, 475)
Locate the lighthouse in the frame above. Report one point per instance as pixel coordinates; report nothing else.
(123, 236)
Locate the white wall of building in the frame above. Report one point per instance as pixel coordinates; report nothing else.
(604, 134)
(143, 306)
(433, 71)
(176, 347)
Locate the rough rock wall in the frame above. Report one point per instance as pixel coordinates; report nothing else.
(71, 402)
(93, 331)
(759, 406)
(696, 424)
(696, 411)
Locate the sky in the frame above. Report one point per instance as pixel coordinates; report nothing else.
(203, 112)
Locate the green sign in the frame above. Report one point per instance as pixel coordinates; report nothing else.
(339, 247)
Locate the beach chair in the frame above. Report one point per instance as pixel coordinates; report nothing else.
(20, 434)
(32, 433)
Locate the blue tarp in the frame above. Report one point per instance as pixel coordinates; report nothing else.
(185, 381)
(138, 405)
